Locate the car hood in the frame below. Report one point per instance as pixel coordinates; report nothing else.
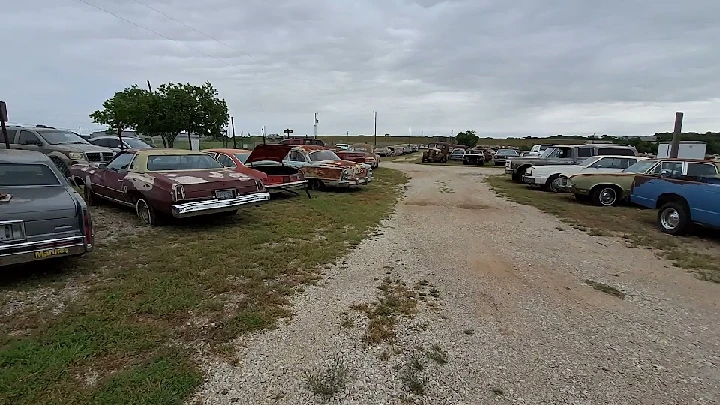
(36, 203)
(80, 147)
(338, 164)
(275, 153)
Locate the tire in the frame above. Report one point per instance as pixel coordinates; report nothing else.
(551, 184)
(605, 196)
(147, 214)
(481, 163)
(465, 162)
(61, 165)
(515, 177)
(674, 218)
(316, 184)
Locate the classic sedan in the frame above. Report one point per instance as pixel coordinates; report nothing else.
(608, 189)
(554, 177)
(117, 145)
(170, 182)
(265, 163)
(322, 167)
(373, 158)
(503, 155)
(41, 215)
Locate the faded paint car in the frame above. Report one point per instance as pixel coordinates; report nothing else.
(41, 215)
(373, 157)
(264, 163)
(436, 152)
(554, 178)
(170, 182)
(322, 167)
(607, 189)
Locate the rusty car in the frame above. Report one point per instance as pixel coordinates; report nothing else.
(160, 183)
(41, 215)
(436, 152)
(265, 163)
(323, 168)
(373, 157)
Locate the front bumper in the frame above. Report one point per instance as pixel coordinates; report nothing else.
(294, 186)
(26, 252)
(206, 207)
(348, 183)
(535, 181)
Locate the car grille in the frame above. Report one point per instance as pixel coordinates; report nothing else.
(99, 156)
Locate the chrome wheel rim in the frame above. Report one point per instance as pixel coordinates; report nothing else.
(608, 196)
(670, 218)
(555, 185)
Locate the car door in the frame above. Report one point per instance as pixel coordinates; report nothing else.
(111, 177)
(27, 140)
(296, 159)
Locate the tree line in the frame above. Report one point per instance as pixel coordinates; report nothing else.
(166, 112)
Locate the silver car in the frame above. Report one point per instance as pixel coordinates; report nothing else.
(41, 215)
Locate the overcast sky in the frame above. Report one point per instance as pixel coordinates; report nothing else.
(499, 67)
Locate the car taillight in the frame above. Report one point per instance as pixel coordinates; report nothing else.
(87, 224)
(178, 193)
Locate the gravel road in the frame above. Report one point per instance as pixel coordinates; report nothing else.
(516, 319)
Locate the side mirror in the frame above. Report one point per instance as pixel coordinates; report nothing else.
(102, 166)
(664, 173)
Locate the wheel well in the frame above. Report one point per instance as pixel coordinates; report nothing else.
(670, 197)
(617, 188)
(134, 195)
(522, 169)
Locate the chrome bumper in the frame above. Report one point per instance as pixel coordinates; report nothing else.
(26, 252)
(534, 180)
(206, 207)
(348, 183)
(294, 186)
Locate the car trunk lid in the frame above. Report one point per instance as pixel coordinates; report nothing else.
(44, 210)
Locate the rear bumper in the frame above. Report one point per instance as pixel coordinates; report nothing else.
(26, 252)
(207, 207)
(294, 186)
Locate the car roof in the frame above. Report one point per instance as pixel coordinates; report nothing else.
(22, 156)
(620, 157)
(309, 148)
(162, 151)
(226, 150)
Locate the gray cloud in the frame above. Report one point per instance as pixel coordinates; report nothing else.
(521, 67)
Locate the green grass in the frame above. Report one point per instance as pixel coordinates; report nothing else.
(699, 252)
(153, 297)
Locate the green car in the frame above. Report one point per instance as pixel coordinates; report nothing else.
(608, 189)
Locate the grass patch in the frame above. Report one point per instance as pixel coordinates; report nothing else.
(607, 289)
(394, 300)
(699, 253)
(330, 380)
(152, 297)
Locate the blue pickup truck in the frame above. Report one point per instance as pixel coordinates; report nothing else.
(680, 201)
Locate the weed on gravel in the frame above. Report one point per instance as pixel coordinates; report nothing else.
(607, 289)
(329, 380)
(395, 299)
(150, 300)
(699, 252)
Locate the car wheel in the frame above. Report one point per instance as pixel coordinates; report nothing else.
(674, 218)
(89, 196)
(146, 212)
(465, 162)
(553, 184)
(60, 164)
(481, 163)
(316, 184)
(605, 196)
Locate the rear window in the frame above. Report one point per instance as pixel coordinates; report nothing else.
(701, 169)
(27, 175)
(182, 162)
(616, 151)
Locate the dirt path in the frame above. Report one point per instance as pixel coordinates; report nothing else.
(515, 317)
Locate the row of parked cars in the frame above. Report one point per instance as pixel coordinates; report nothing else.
(685, 191)
(42, 214)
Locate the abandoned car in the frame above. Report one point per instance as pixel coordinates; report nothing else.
(323, 168)
(554, 178)
(264, 163)
(41, 215)
(436, 152)
(169, 182)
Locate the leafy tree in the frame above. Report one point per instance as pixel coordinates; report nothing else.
(467, 138)
(120, 111)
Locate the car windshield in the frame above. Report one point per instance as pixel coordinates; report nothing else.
(27, 175)
(589, 161)
(182, 162)
(507, 152)
(62, 138)
(640, 167)
(323, 155)
(135, 143)
(242, 156)
(543, 147)
(547, 152)
(360, 149)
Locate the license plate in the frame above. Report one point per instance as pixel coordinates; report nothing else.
(42, 254)
(224, 194)
(10, 232)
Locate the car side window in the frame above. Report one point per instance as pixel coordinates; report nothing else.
(612, 163)
(584, 152)
(28, 138)
(701, 169)
(674, 169)
(121, 161)
(212, 155)
(225, 160)
(297, 156)
(11, 135)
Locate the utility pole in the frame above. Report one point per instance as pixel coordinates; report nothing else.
(3, 118)
(375, 131)
(316, 124)
(347, 133)
(232, 123)
(677, 132)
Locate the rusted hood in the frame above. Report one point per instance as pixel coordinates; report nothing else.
(275, 153)
(339, 164)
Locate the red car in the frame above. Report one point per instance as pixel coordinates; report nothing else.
(169, 182)
(264, 163)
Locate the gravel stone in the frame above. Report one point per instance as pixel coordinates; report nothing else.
(515, 316)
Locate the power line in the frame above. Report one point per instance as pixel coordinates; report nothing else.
(165, 36)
